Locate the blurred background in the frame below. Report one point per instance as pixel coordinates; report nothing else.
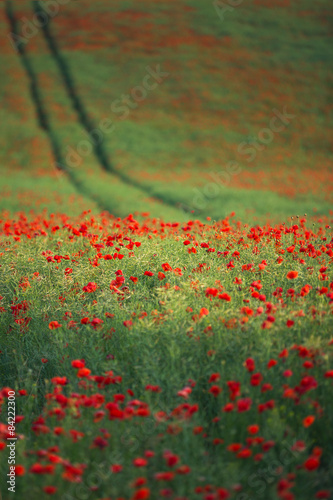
(180, 108)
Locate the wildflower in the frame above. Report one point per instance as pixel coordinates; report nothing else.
(271, 363)
(211, 291)
(50, 490)
(100, 442)
(215, 390)
(203, 312)
(116, 468)
(59, 380)
(96, 322)
(256, 379)
(245, 453)
(228, 407)
(90, 287)
(307, 421)
(250, 364)
(83, 372)
(164, 476)
(141, 494)
(140, 462)
(291, 275)
(19, 470)
(225, 296)
(312, 463)
(38, 468)
(54, 324)
(244, 404)
(78, 363)
(234, 447)
(214, 377)
(183, 469)
(322, 494)
(253, 429)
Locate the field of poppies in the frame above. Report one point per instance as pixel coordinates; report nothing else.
(158, 360)
(166, 250)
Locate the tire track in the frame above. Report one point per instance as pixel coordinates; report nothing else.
(40, 108)
(78, 106)
(83, 116)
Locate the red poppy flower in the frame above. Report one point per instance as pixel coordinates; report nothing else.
(256, 379)
(245, 453)
(214, 377)
(38, 468)
(234, 447)
(244, 404)
(58, 431)
(19, 470)
(203, 312)
(164, 476)
(253, 429)
(59, 380)
(91, 287)
(291, 275)
(96, 322)
(183, 469)
(215, 390)
(141, 494)
(54, 324)
(225, 296)
(312, 463)
(140, 462)
(271, 363)
(78, 363)
(222, 494)
(211, 291)
(50, 490)
(100, 442)
(171, 459)
(307, 421)
(83, 372)
(322, 494)
(267, 445)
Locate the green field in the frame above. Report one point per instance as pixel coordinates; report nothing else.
(166, 250)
